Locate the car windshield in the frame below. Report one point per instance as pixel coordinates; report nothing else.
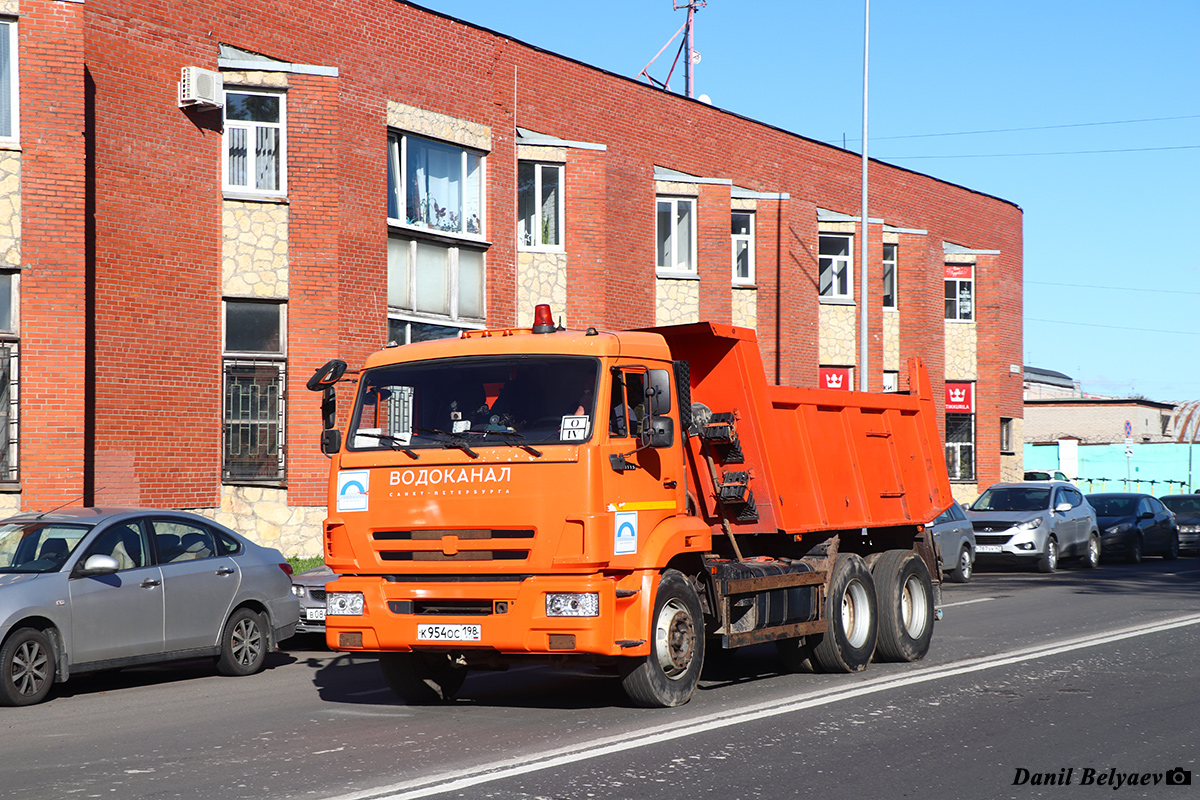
(1113, 506)
(38, 546)
(470, 403)
(1013, 498)
(1182, 505)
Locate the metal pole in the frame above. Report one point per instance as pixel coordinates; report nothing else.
(864, 312)
(687, 59)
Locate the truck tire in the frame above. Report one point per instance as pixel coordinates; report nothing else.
(904, 592)
(850, 613)
(26, 668)
(669, 674)
(423, 678)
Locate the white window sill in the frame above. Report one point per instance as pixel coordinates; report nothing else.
(961, 321)
(836, 301)
(675, 275)
(555, 248)
(399, 226)
(891, 310)
(254, 197)
(745, 285)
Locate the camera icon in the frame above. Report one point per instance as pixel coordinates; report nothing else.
(1179, 777)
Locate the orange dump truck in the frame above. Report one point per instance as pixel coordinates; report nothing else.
(631, 499)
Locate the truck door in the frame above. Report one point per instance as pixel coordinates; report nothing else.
(641, 484)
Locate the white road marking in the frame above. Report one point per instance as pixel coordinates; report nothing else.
(523, 765)
(967, 602)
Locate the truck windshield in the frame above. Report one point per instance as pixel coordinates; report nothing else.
(503, 401)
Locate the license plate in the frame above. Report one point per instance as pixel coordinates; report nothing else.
(449, 633)
(314, 614)
(988, 548)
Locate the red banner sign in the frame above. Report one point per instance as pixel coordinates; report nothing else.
(835, 378)
(959, 271)
(960, 398)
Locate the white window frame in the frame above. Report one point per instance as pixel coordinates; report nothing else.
(689, 271)
(958, 284)
(749, 239)
(398, 191)
(1007, 430)
(409, 310)
(251, 129)
(524, 242)
(891, 380)
(891, 258)
(839, 265)
(14, 73)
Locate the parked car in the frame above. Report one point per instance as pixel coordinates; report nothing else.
(1187, 517)
(309, 588)
(955, 542)
(1038, 475)
(1034, 522)
(1135, 525)
(86, 589)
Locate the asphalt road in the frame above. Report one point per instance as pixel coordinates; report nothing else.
(1086, 677)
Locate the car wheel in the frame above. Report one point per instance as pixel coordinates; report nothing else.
(27, 663)
(1172, 547)
(669, 674)
(904, 596)
(243, 644)
(1048, 561)
(1091, 556)
(964, 568)
(423, 678)
(850, 613)
(1133, 550)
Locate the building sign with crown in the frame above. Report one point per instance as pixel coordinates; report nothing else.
(960, 398)
(835, 378)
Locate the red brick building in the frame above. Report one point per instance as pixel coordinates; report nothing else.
(179, 257)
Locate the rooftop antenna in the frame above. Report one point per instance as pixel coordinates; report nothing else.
(686, 49)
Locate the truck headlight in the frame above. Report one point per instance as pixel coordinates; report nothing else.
(572, 604)
(345, 604)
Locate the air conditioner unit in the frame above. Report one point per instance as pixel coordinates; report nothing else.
(200, 87)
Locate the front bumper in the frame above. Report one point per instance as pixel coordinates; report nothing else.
(1012, 546)
(510, 615)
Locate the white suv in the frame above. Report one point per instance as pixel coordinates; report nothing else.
(1035, 522)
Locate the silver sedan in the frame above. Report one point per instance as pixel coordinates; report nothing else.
(86, 589)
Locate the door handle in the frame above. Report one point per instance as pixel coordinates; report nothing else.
(150, 583)
(225, 571)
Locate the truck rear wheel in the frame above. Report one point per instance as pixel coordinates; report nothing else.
(669, 674)
(905, 596)
(850, 612)
(422, 678)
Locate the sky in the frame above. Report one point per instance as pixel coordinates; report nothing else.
(1084, 114)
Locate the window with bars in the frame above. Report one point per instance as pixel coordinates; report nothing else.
(8, 79)
(9, 418)
(960, 446)
(255, 378)
(254, 143)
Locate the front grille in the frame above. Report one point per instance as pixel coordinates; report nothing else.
(992, 538)
(991, 527)
(453, 545)
(444, 608)
(317, 594)
(464, 555)
(433, 534)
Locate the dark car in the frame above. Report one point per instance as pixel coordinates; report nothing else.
(1135, 525)
(1187, 517)
(309, 588)
(87, 589)
(955, 542)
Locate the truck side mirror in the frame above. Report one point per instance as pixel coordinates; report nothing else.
(657, 432)
(331, 441)
(658, 391)
(327, 375)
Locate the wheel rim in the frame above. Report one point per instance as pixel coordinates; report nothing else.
(856, 614)
(1093, 550)
(964, 563)
(30, 668)
(914, 607)
(674, 639)
(1052, 554)
(247, 642)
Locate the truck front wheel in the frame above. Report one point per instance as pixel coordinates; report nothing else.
(669, 674)
(906, 613)
(423, 678)
(852, 623)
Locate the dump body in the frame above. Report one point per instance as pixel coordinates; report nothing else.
(517, 494)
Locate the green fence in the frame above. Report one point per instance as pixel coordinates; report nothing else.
(1157, 469)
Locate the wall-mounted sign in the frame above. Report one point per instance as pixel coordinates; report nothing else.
(835, 378)
(960, 398)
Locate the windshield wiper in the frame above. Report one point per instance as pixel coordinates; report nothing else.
(512, 439)
(451, 440)
(392, 441)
